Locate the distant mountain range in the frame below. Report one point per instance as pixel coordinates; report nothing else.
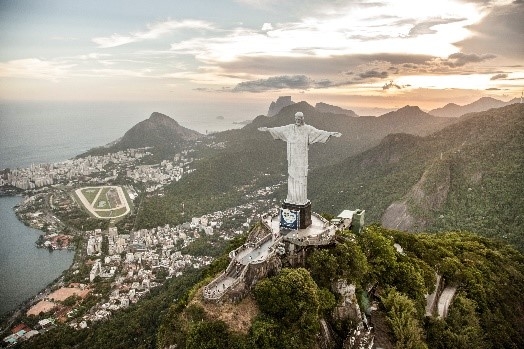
(450, 110)
(454, 110)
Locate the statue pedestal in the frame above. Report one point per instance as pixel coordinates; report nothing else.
(303, 212)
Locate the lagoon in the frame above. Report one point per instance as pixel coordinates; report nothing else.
(24, 268)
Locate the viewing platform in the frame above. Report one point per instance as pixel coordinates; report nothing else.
(251, 261)
(320, 232)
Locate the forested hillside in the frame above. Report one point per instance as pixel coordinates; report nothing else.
(286, 309)
(468, 176)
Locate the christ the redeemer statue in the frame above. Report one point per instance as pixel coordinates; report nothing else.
(298, 137)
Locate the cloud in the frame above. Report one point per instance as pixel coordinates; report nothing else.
(319, 67)
(293, 82)
(300, 82)
(426, 27)
(500, 32)
(493, 89)
(460, 59)
(352, 30)
(153, 32)
(267, 27)
(35, 68)
(373, 74)
(499, 76)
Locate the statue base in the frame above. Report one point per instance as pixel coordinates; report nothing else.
(303, 212)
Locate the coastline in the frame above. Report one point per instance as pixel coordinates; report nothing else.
(28, 262)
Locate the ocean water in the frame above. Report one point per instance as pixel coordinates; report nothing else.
(52, 132)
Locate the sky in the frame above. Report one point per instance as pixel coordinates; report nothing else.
(235, 57)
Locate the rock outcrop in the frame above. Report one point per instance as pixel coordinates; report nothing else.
(361, 336)
(426, 196)
(276, 107)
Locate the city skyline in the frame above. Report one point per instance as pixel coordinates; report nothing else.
(221, 56)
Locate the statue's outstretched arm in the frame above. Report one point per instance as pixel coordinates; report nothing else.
(263, 129)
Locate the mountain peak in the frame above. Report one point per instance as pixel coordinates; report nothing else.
(158, 130)
(481, 104)
(162, 118)
(406, 111)
(281, 102)
(412, 108)
(487, 99)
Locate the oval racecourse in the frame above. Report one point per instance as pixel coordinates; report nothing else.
(107, 202)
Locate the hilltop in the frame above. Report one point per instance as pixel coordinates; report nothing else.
(159, 130)
(276, 106)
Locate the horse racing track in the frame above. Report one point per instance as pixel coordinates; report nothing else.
(107, 202)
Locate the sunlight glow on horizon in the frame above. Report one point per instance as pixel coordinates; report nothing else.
(244, 49)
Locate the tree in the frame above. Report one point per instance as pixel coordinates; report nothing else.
(290, 296)
(403, 319)
(380, 254)
(265, 333)
(291, 300)
(352, 261)
(209, 335)
(460, 330)
(323, 266)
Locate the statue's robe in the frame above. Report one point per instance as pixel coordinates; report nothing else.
(298, 139)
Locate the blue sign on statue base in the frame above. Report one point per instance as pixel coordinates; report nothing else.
(289, 219)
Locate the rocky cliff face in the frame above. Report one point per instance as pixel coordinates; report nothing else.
(282, 102)
(427, 195)
(348, 309)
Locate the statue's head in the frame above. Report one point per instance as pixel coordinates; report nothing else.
(299, 119)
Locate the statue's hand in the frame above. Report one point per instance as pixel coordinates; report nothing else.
(336, 134)
(263, 129)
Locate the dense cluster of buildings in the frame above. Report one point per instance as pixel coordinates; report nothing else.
(135, 262)
(163, 173)
(100, 169)
(22, 332)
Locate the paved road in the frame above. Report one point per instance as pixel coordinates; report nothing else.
(445, 301)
